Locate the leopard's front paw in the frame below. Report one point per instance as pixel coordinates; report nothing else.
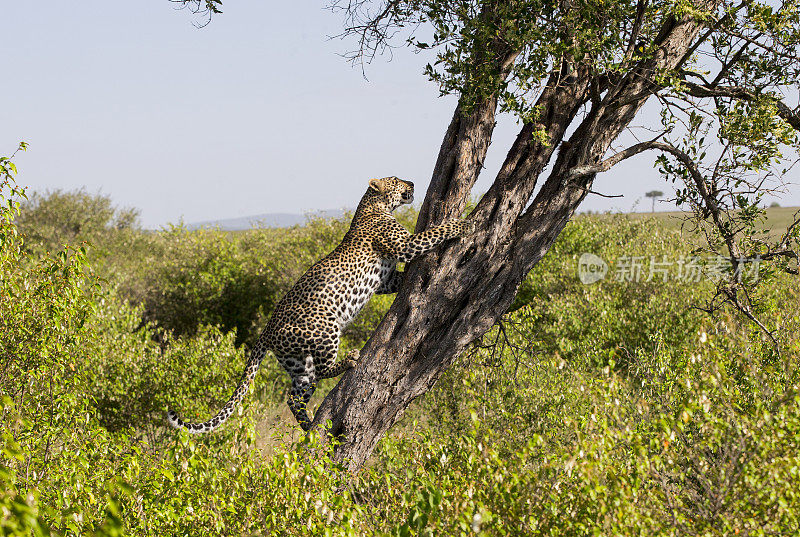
(467, 227)
(352, 358)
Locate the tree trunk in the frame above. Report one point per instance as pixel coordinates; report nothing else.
(455, 294)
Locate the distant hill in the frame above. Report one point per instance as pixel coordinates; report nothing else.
(265, 220)
(777, 217)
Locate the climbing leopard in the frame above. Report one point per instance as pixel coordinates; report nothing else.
(304, 329)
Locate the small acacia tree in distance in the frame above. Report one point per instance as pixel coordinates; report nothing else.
(576, 74)
(654, 195)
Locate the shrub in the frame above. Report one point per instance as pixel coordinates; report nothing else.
(54, 219)
(613, 318)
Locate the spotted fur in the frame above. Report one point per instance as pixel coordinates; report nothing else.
(304, 329)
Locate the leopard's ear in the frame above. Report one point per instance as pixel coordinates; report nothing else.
(377, 185)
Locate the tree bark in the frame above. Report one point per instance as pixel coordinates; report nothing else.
(454, 295)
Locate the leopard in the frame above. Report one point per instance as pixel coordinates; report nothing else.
(305, 327)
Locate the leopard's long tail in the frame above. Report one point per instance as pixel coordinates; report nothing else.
(249, 374)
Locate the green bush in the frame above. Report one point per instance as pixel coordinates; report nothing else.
(54, 219)
(701, 440)
(50, 445)
(187, 279)
(609, 320)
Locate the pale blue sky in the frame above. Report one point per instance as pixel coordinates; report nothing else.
(255, 113)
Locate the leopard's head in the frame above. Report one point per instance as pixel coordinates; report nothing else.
(393, 191)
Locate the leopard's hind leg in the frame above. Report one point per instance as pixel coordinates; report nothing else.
(304, 383)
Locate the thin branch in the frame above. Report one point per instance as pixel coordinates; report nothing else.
(590, 191)
(711, 30)
(207, 8)
(736, 92)
(710, 201)
(605, 165)
(373, 31)
(728, 64)
(641, 7)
